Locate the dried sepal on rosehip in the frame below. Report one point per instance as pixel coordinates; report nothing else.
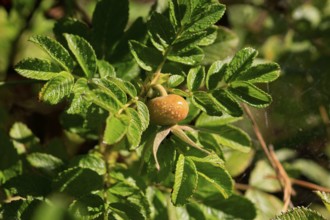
(168, 110)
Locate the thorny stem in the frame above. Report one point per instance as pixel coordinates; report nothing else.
(282, 175)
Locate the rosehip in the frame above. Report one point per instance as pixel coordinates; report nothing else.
(168, 110)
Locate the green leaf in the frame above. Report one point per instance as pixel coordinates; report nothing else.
(237, 162)
(109, 21)
(241, 61)
(161, 31)
(314, 172)
(204, 16)
(325, 196)
(175, 80)
(70, 26)
(111, 89)
(205, 120)
(55, 50)
(210, 37)
(228, 136)
(267, 204)
(212, 171)
(300, 213)
(79, 103)
(195, 78)
(104, 100)
(262, 73)
(185, 181)
(77, 182)
(147, 58)
(83, 52)
(226, 42)
(143, 112)
(126, 211)
(133, 196)
(23, 138)
(134, 131)
(94, 162)
(229, 105)
(8, 155)
(116, 128)
(231, 205)
(57, 88)
(215, 74)
(260, 178)
(35, 68)
(87, 207)
(44, 162)
(19, 209)
(126, 86)
(187, 42)
(105, 69)
(250, 94)
(206, 103)
(166, 156)
(28, 185)
(191, 57)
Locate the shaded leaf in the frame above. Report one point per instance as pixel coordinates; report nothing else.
(206, 103)
(161, 31)
(215, 74)
(250, 94)
(262, 73)
(77, 182)
(195, 78)
(109, 21)
(147, 58)
(229, 105)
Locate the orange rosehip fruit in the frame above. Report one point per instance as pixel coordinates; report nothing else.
(168, 110)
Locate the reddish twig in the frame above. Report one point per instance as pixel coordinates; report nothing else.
(282, 176)
(309, 185)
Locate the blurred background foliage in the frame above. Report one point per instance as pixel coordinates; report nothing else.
(294, 33)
